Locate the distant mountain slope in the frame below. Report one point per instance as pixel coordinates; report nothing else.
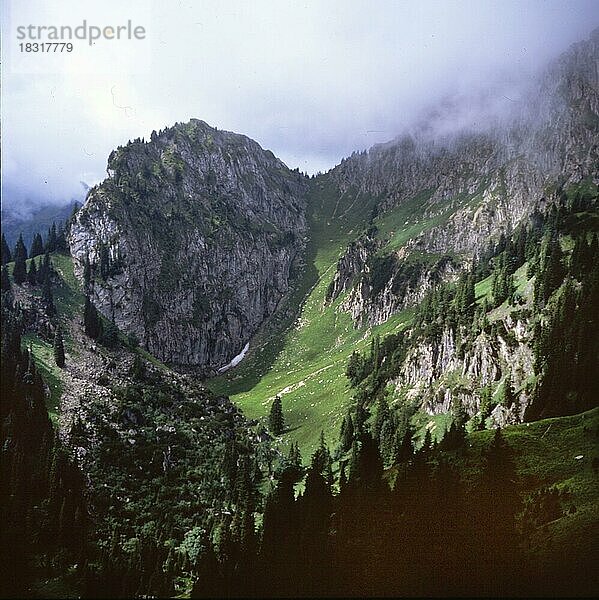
(39, 221)
(197, 241)
(415, 213)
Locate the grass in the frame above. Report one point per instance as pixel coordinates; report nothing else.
(303, 356)
(68, 299)
(547, 453)
(68, 295)
(408, 220)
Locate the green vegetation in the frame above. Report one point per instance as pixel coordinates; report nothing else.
(68, 294)
(306, 362)
(302, 356)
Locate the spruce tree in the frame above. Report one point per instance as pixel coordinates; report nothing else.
(48, 297)
(382, 414)
(109, 336)
(61, 239)
(6, 254)
(404, 449)
(468, 297)
(456, 435)
(347, 433)
(91, 320)
(37, 246)
(32, 275)
(44, 268)
(51, 239)
(368, 466)
(276, 421)
(5, 279)
(509, 394)
(59, 349)
(20, 255)
(486, 406)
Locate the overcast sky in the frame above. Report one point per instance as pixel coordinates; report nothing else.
(312, 81)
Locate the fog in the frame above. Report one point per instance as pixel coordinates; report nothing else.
(311, 81)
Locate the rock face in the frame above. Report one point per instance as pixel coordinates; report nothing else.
(467, 188)
(440, 372)
(191, 241)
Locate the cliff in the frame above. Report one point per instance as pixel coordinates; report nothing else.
(467, 188)
(191, 241)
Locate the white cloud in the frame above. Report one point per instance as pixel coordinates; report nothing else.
(312, 81)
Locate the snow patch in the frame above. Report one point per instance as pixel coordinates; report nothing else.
(235, 361)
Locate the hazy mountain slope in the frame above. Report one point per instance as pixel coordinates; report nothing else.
(473, 186)
(39, 221)
(191, 241)
(421, 210)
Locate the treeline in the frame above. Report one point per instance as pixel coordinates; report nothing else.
(566, 340)
(437, 530)
(163, 471)
(55, 241)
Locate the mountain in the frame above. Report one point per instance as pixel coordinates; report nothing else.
(393, 223)
(191, 241)
(423, 319)
(39, 221)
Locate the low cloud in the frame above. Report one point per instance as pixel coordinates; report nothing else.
(312, 81)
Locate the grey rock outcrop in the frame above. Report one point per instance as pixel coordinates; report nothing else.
(191, 241)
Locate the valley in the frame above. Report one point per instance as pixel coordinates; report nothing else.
(426, 311)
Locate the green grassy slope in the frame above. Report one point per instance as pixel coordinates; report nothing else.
(303, 357)
(69, 300)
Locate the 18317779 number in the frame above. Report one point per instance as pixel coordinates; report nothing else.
(46, 47)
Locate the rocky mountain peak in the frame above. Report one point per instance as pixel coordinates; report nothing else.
(191, 241)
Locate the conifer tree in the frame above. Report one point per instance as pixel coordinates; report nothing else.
(61, 239)
(109, 336)
(276, 421)
(366, 466)
(382, 414)
(20, 256)
(293, 465)
(486, 406)
(6, 254)
(32, 275)
(47, 296)
(347, 433)
(5, 279)
(59, 356)
(321, 460)
(404, 450)
(51, 239)
(509, 394)
(91, 320)
(45, 268)
(37, 246)
(456, 435)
